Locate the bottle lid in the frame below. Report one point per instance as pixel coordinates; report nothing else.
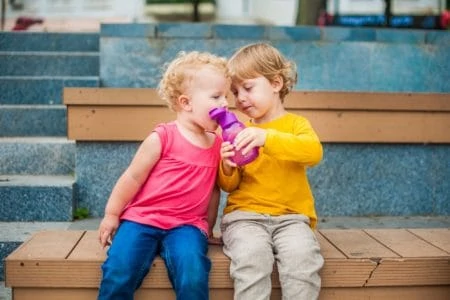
(222, 116)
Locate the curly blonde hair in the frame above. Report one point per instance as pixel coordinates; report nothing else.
(181, 70)
(262, 59)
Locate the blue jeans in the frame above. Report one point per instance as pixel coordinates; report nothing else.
(135, 246)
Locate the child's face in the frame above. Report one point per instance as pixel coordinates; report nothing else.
(208, 89)
(257, 97)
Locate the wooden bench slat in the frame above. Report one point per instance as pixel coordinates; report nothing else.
(405, 243)
(378, 293)
(440, 237)
(134, 123)
(327, 249)
(305, 100)
(47, 245)
(88, 248)
(391, 101)
(384, 293)
(111, 96)
(356, 243)
(406, 272)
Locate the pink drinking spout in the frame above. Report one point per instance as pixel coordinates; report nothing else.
(231, 126)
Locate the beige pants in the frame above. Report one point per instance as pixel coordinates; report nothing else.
(254, 242)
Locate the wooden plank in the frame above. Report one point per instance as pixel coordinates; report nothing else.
(411, 272)
(372, 293)
(54, 244)
(111, 123)
(355, 243)
(439, 237)
(88, 248)
(327, 249)
(91, 294)
(404, 243)
(389, 101)
(386, 293)
(134, 123)
(295, 100)
(346, 272)
(379, 127)
(111, 96)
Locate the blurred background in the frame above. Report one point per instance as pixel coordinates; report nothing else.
(86, 15)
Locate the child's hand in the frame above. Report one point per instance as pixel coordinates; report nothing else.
(249, 138)
(107, 229)
(226, 152)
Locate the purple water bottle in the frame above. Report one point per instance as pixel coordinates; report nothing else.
(231, 126)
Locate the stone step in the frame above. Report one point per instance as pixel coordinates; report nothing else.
(33, 120)
(45, 41)
(16, 63)
(37, 156)
(36, 198)
(40, 90)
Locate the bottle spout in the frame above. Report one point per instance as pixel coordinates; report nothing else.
(222, 116)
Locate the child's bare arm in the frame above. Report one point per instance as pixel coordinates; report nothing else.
(128, 185)
(212, 215)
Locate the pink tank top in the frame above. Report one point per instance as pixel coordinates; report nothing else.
(178, 189)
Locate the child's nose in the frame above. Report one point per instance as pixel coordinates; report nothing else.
(224, 102)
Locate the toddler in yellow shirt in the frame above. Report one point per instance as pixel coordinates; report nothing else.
(270, 214)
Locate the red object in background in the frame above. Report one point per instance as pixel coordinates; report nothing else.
(324, 18)
(23, 23)
(445, 20)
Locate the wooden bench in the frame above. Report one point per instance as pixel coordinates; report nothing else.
(383, 264)
(129, 114)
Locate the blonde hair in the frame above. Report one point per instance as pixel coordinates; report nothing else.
(262, 59)
(181, 70)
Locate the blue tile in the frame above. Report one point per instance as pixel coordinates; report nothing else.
(251, 32)
(37, 203)
(99, 165)
(40, 90)
(438, 37)
(49, 64)
(372, 179)
(298, 33)
(42, 156)
(400, 36)
(129, 30)
(184, 30)
(340, 34)
(46, 41)
(33, 121)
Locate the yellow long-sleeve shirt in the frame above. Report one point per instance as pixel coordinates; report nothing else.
(276, 182)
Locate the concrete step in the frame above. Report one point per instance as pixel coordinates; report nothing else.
(33, 120)
(49, 63)
(40, 90)
(37, 156)
(44, 41)
(29, 198)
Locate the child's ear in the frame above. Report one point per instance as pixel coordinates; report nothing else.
(184, 103)
(277, 83)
